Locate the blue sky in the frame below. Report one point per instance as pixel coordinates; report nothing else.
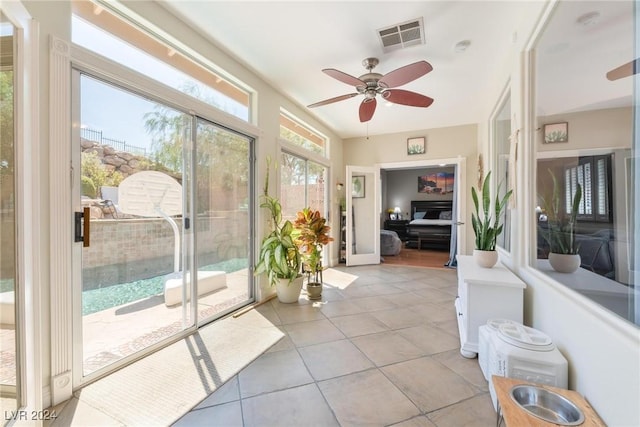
(117, 113)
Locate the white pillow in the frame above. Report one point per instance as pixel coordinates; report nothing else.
(419, 215)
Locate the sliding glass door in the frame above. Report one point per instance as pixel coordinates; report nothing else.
(163, 212)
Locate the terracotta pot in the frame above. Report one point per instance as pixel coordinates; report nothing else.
(485, 259)
(564, 263)
(289, 292)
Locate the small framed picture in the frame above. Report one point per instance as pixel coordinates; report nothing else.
(392, 217)
(556, 132)
(357, 186)
(416, 145)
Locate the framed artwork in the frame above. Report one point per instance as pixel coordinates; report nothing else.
(357, 186)
(416, 145)
(436, 183)
(556, 132)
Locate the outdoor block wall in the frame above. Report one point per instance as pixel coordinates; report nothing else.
(125, 250)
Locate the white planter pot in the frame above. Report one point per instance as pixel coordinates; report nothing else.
(485, 259)
(289, 292)
(564, 263)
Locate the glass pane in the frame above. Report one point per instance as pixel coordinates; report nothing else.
(293, 185)
(502, 131)
(132, 272)
(118, 40)
(299, 134)
(222, 220)
(600, 237)
(9, 369)
(316, 191)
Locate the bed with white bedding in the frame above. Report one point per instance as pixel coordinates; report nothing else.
(430, 224)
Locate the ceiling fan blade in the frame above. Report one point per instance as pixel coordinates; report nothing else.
(344, 77)
(332, 100)
(625, 70)
(405, 97)
(406, 74)
(367, 108)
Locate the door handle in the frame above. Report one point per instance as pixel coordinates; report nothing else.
(459, 223)
(83, 230)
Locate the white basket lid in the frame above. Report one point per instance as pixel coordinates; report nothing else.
(525, 337)
(494, 324)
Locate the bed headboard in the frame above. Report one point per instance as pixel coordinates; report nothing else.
(430, 205)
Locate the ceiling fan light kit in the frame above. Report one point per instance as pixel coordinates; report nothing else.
(372, 84)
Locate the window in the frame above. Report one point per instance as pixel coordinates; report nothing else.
(98, 30)
(593, 173)
(296, 132)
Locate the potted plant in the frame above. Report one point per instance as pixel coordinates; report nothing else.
(279, 254)
(313, 235)
(561, 230)
(486, 227)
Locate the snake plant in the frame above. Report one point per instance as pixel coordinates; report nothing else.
(487, 228)
(561, 226)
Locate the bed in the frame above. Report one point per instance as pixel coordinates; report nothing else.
(430, 224)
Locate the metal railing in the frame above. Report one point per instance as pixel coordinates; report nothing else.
(96, 135)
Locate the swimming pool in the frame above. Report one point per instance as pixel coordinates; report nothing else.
(94, 300)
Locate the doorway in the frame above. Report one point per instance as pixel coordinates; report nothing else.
(406, 185)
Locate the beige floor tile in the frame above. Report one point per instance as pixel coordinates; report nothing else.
(367, 398)
(334, 359)
(421, 421)
(224, 415)
(385, 348)
(430, 339)
(359, 324)
(273, 371)
(300, 406)
(228, 392)
(435, 312)
(406, 299)
(467, 368)
(374, 303)
(428, 383)
(436, 295)
(285, 343)
(291, 314)
(315, 332)
(399, 318)
(475, 412)
(341, 308)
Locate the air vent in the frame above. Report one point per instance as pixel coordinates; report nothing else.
(402, 35)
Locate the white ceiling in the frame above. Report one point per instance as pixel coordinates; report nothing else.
(288, 43)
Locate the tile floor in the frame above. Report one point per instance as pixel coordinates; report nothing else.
(380, 349)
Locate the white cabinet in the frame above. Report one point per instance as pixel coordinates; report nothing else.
(483, 294)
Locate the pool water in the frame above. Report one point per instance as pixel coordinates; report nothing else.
(99, 299)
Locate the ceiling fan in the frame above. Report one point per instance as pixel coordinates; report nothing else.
(372, 84)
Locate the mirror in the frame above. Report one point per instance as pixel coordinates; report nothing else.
(584, 139)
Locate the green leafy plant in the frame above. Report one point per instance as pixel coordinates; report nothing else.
(279, 254)
(486, 227)
(314, 234)
(561, 226)
(96, 175)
